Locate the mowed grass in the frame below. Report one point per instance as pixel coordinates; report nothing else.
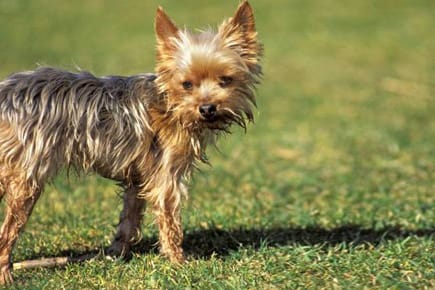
(333, 187)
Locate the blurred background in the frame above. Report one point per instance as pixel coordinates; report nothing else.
(344, 133)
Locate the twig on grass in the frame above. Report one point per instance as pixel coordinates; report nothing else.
(52, 262)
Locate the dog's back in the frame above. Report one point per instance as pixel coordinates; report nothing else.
(50, 118)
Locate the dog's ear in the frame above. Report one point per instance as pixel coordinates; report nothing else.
(165, 28)
(239, 33)
(244, 18)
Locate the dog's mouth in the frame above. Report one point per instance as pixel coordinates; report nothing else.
(212, 119)
(222, 121)
(213, 122)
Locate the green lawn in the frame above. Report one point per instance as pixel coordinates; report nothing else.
(333, 187)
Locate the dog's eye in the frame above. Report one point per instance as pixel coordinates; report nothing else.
(225, 81)
(187, 85)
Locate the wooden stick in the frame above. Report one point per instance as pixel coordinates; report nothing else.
(51, 262)
(45, 262)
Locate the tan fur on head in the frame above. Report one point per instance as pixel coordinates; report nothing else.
(145, 131)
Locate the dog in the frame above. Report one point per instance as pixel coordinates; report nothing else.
(147, 131)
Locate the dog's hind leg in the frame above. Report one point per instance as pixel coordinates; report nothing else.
(129, 227)
(20, 196)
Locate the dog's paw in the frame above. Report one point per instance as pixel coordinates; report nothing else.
(175, 256)
(5, 275)
(118, 251)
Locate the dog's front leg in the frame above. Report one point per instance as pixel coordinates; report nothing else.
(168, 215)
(128, 232)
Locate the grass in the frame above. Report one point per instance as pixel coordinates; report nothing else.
(333, 187)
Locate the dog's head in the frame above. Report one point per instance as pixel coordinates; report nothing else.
(207, 78)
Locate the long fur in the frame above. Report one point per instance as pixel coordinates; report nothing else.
(61, 118)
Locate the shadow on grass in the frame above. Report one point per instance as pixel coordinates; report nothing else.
(218, 242)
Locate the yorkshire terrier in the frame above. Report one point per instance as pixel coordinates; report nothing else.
(144, 131)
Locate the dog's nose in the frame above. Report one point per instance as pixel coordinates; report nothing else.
(208, 111)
